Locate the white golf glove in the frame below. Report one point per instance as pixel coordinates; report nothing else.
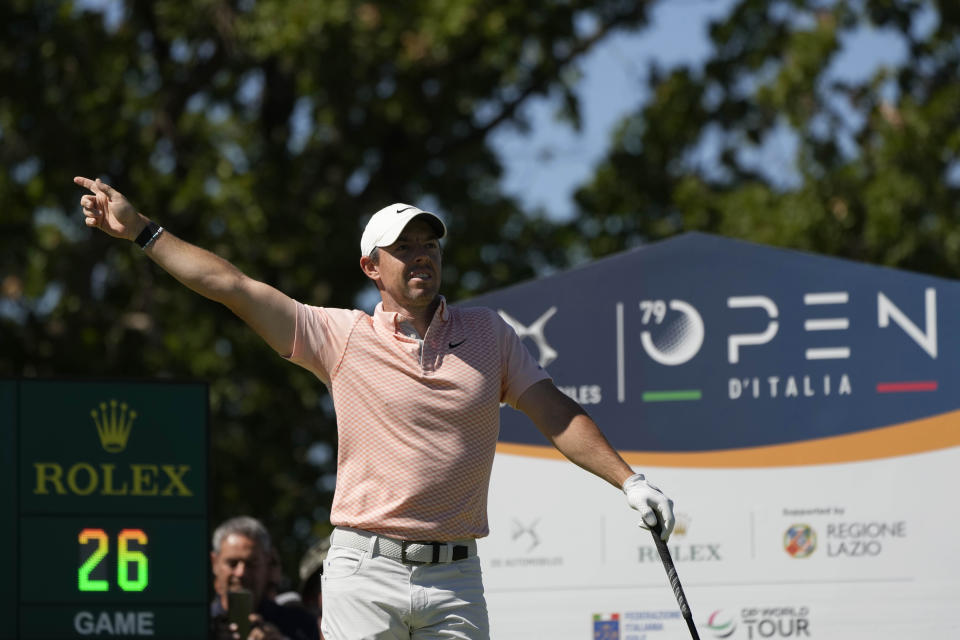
(651, 503)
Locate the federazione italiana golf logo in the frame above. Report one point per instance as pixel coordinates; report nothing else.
(606, 628)
(635, 625)
(800, 540)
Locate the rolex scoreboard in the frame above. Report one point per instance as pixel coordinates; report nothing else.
(103, 491)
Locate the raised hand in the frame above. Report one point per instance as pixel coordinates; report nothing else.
(107, 210)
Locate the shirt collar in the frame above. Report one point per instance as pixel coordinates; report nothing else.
(389, 319)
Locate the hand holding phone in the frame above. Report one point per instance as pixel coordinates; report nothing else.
(239, 608)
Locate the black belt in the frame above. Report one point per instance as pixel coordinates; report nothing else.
(458, 552)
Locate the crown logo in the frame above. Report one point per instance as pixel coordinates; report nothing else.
(113, 426)
(682, 523)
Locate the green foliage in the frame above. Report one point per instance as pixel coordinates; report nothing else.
(875, 167)
(265, 131)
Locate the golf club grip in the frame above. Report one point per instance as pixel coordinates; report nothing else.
(674, 580)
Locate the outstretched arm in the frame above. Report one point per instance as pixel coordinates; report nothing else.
(574, 433)
(568, 427)
(268, 311)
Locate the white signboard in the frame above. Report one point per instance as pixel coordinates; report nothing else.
(802, 412)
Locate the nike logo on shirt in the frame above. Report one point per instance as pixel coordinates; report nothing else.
(454, 345)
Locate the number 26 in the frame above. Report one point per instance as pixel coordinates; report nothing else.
(126, 559)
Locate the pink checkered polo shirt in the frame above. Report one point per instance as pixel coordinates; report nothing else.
(417, 433)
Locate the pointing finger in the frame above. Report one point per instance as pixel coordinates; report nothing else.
(86, 183)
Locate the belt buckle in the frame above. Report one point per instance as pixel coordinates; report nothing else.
(434, 545)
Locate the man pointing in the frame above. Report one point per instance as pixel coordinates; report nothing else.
(417, 388)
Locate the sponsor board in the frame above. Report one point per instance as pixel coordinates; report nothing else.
(801, 411)
(786, 347)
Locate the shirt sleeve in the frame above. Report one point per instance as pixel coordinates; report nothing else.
(520, 370)
(320, 338)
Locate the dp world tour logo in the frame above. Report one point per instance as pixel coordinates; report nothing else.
(800, 540)
(114, 423)
(721, 625)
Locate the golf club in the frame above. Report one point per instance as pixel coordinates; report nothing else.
(674, 579)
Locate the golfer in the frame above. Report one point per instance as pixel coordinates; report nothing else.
(417, 388)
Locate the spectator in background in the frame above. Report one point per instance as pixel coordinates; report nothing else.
(240, 559)
(311, 575)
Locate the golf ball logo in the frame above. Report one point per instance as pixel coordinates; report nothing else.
(671, 339)
(800, 540)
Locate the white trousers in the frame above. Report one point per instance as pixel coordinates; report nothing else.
(367, 596)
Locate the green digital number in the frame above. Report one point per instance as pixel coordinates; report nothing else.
(127, 557)
(129, 561)
(84, 582)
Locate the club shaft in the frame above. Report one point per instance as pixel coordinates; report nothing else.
(675, 582)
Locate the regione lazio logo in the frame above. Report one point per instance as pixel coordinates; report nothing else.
(114, 422)
(800, 540)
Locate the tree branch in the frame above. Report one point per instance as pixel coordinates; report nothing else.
(540, 79)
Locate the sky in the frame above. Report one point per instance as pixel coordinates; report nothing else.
(545, 166)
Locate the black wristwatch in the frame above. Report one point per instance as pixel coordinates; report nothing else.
(150, 233)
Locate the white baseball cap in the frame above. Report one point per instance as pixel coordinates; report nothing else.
(386, 225)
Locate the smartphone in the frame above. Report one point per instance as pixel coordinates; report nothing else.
(239, 608)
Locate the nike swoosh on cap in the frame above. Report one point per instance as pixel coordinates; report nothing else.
(404, 209)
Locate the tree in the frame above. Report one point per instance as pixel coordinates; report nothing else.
(264, 131)
(874, 176)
